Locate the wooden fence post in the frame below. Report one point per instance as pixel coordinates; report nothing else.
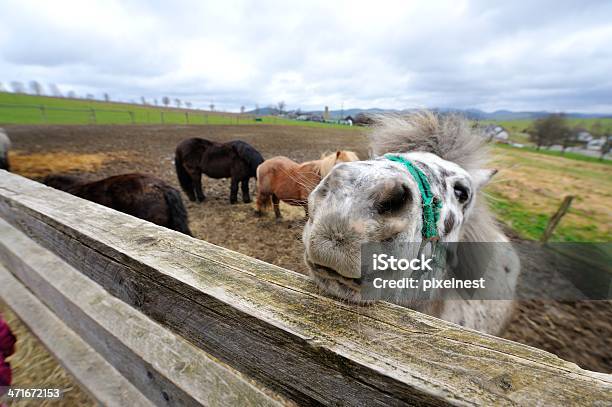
(556, 218)
(132, 117)
(92, 115)
(161, 113)
(186, 117)
(43, 114)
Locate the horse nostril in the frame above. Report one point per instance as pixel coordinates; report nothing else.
(393, 200)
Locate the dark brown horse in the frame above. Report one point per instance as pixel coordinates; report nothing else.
(139, 195)
(235, 159)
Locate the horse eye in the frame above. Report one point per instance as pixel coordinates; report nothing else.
(461, 193)
(394, 201)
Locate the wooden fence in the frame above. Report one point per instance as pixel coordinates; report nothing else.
(131, 114)
(143, 315)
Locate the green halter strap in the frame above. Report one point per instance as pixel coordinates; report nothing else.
(431, 206)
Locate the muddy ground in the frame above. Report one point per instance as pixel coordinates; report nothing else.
(580, 332)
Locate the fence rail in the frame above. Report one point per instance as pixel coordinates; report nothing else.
(184, 322)
(44, 114)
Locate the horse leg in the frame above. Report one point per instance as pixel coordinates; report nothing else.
(197, 186)
(234, 191)
(191, 194)
(246, 198)
(263, 200)
(275, 203)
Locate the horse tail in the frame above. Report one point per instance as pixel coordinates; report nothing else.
(248, 153)
(183, 177)
(178, 218)
(263, 195)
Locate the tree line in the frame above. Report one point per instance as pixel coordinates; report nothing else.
(37, 89)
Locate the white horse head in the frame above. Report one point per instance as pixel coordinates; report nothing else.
(424, 186)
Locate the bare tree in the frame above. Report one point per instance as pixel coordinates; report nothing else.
(90, 96)
(256, 109)
(17, 87)
(548, 130)
(597, 130)
(36, 88)
(568, 137)
(178, 102)
(242, 109)
(212, 107)
(71, 94)
(55, 90)
(106, 97)
(281, 106)
(143, 100)
(188, 104)
(166, 100)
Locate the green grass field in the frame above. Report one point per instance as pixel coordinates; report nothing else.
(29, 109)
(568, 154)
(530, 187)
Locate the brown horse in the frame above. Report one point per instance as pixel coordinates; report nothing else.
(282, 179)
(235, 159)
(139, 195)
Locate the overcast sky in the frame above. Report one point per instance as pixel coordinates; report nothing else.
(517, 55)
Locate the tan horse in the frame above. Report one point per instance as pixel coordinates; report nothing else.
(282, 179)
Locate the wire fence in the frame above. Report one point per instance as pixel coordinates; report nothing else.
(43, 114)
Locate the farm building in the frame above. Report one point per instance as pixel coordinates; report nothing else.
(584, 136)
(495, 132)
(596, 144)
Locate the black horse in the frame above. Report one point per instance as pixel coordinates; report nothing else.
(139, 195)
(5, 144)
(235, 159)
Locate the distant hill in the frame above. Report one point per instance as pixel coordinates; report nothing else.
(473, 114)
(264, 111)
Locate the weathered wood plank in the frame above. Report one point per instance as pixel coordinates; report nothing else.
(103, 382)
(273, 326)
(164, 367)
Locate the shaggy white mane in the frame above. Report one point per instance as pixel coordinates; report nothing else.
(450, 137)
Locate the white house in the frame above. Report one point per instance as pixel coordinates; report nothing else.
(596, 144)
(495, 132)
(584, 136)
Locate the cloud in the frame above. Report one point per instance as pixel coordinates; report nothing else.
(552, 55)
